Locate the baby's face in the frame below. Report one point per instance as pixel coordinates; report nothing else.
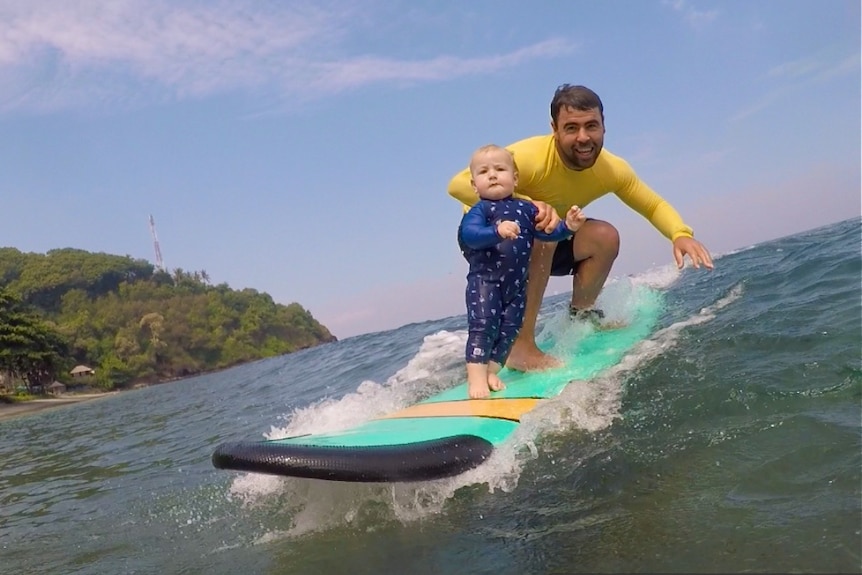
(493, 174)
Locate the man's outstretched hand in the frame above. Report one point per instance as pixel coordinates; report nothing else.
(696, 251)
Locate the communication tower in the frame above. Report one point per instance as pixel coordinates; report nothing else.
(159, 263)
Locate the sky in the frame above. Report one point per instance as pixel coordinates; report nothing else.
(303, 149)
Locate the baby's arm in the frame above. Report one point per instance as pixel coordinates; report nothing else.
(478, 234)
(575, 218)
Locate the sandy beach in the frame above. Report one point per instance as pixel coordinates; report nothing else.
(8, 410)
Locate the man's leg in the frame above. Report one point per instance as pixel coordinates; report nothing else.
(595, 248)
(525, 355)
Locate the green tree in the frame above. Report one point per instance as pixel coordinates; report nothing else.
(29, 348)
(135, 323)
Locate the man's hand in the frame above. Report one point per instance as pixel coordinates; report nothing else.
(692, 248)
(547, 219)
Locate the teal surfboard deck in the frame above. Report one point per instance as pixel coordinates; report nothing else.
(451, 432)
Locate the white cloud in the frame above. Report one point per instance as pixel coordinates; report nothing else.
(795, 68)
(799, 74)
(696, 18)
(817, 70)
(848, 65)
(56, 54)
(363, 70)
(763, 103)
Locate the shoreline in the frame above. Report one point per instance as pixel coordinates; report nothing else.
(10, 410)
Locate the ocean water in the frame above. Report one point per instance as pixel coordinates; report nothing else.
(728, 441)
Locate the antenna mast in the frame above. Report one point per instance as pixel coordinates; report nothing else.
(159, 263)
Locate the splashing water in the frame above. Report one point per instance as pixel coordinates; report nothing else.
(586, 405)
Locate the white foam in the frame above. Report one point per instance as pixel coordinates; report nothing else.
(661, 277)
(252, 487)
(590, 406)
(666, 338)
(735, 251)
(434, 368)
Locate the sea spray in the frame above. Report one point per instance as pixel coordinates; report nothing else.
(586, 405)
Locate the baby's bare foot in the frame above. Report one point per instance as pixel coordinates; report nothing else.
(478, 390)
(494, 383)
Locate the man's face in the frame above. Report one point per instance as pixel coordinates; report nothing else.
(579, 135)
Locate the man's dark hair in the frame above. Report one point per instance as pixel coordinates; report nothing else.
(577, 97)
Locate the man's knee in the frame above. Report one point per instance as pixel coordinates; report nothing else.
(596, 237)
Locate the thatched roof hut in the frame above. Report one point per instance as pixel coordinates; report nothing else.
(82, 370)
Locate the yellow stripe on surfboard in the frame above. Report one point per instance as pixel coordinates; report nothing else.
(511, 409)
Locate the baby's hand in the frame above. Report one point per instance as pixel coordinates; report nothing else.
(575, 218)
(508, 230)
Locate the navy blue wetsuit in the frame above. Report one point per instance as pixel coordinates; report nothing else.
(497, 280)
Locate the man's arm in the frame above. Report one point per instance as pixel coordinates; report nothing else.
(642, 199)
(461, 189)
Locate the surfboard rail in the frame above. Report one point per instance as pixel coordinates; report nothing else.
(419, 461)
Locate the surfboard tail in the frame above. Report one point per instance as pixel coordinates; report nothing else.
(419, 461)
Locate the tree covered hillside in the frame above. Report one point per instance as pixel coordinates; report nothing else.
(133, 323)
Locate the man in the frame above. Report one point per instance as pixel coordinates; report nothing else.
(569, 166)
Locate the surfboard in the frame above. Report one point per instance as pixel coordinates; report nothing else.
(448, 433)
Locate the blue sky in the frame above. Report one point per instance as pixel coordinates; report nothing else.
(303, 148)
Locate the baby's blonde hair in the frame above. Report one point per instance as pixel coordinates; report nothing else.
(493, 148)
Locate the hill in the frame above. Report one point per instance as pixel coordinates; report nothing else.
(132, 322)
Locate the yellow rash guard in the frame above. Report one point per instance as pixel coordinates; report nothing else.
(543, 176)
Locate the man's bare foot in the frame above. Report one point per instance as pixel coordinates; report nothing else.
(596, 317)
(494, 382)
(611, 324)
(528, 357)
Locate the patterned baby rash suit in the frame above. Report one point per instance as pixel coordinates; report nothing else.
(497, 280)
